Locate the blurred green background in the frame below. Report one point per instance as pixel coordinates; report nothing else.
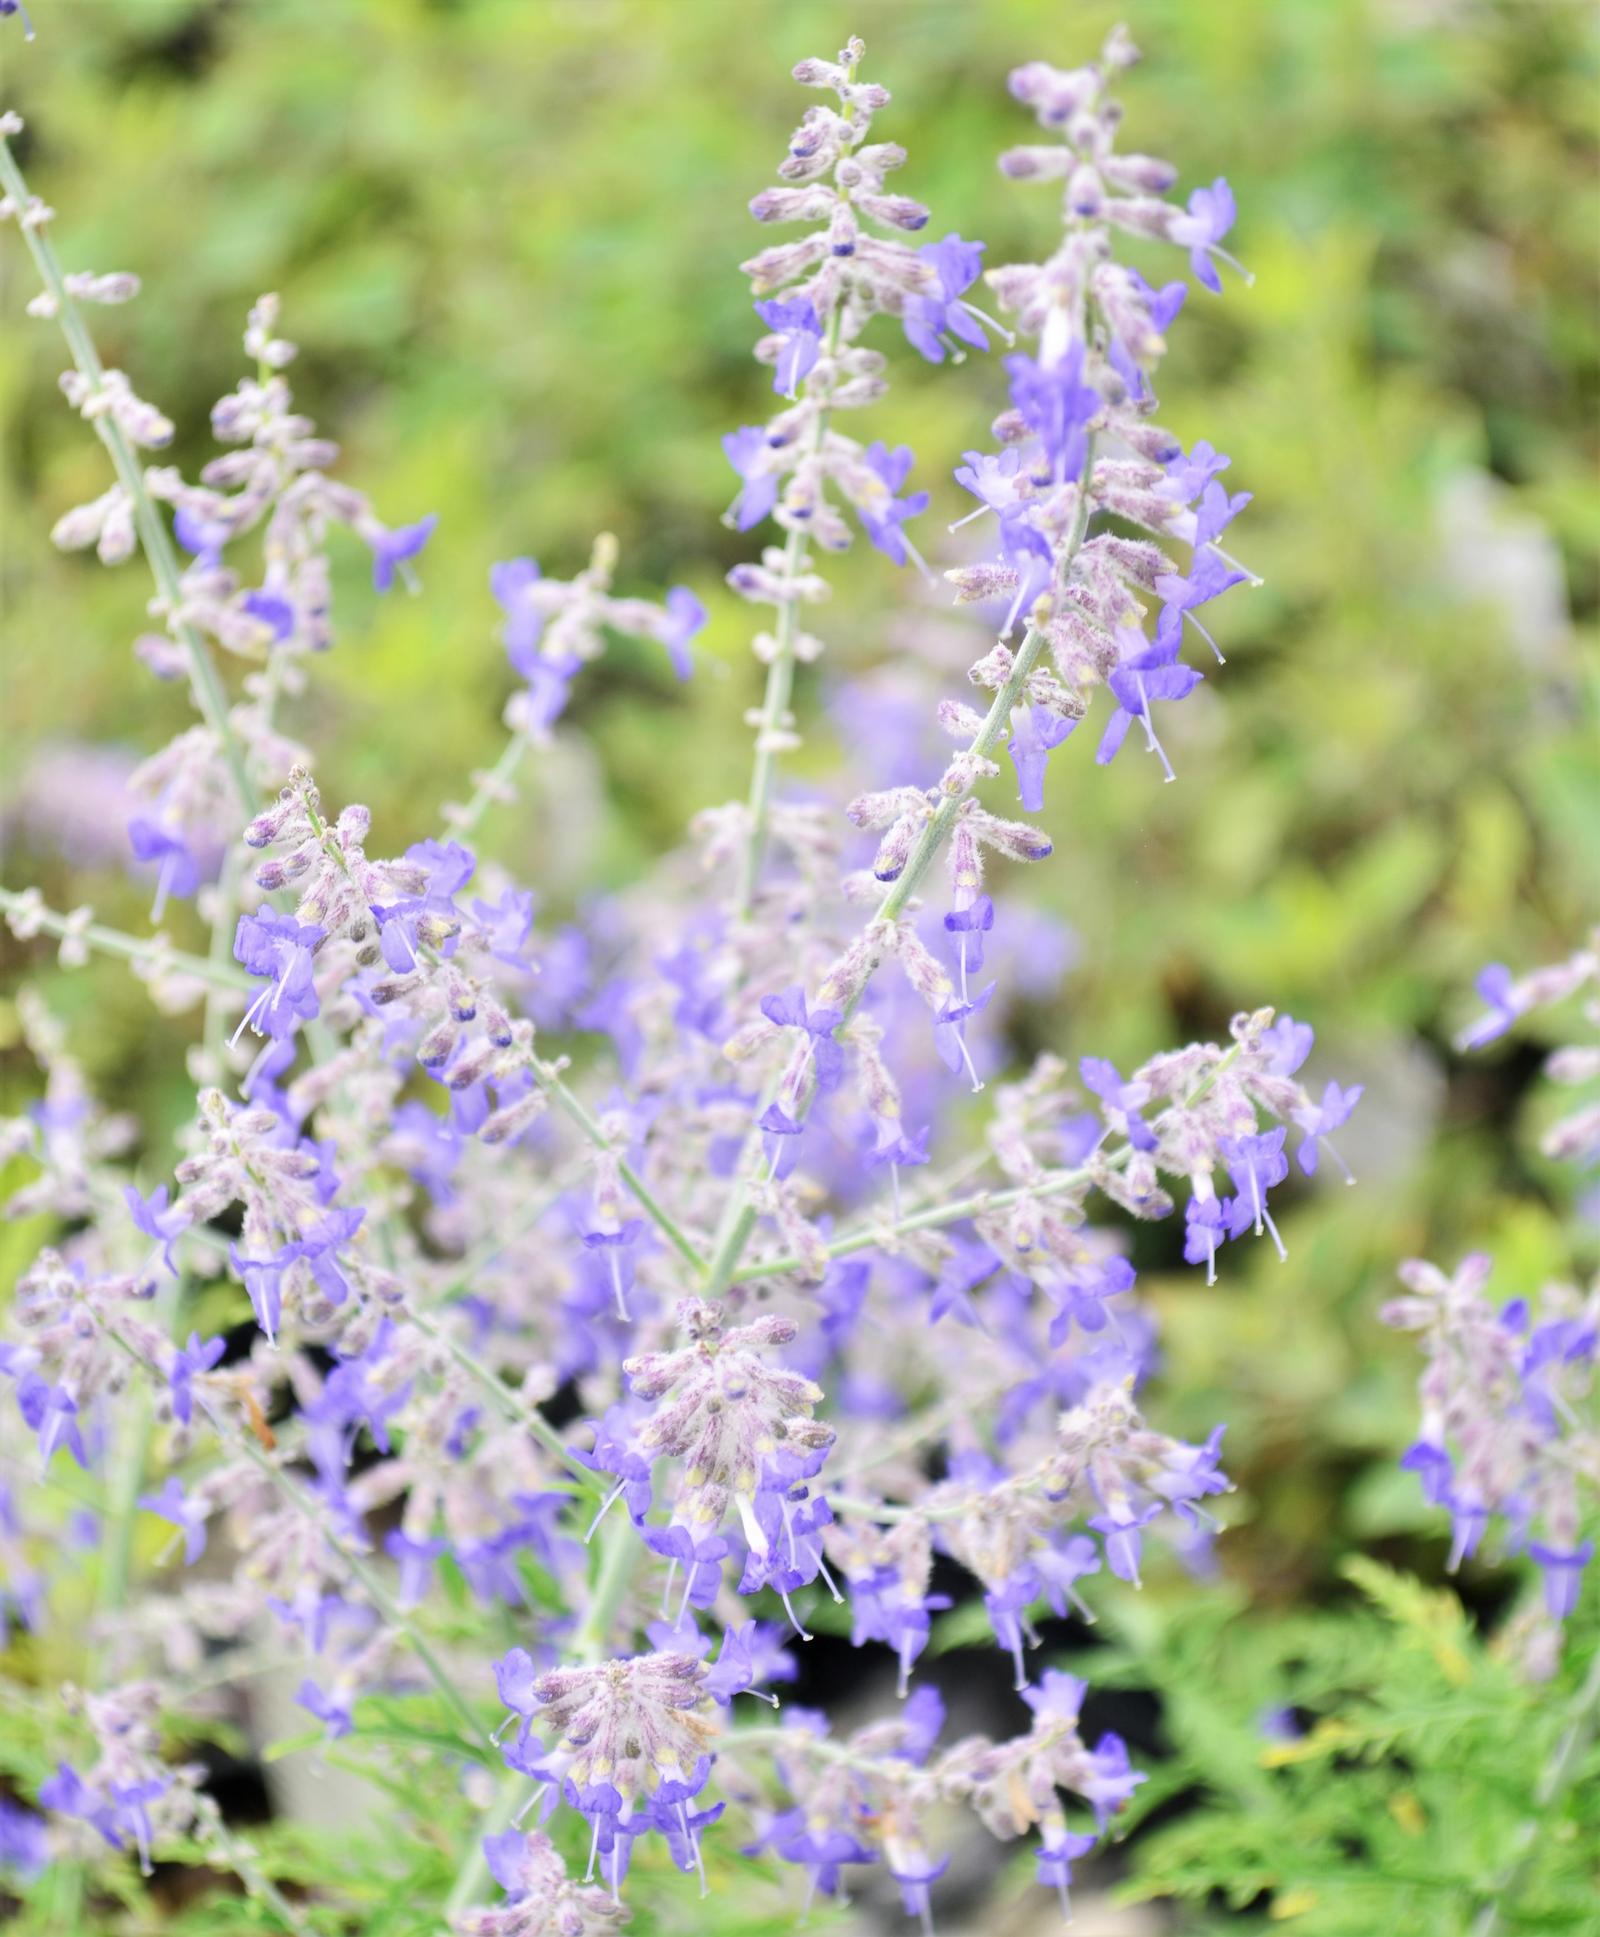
(506, 234)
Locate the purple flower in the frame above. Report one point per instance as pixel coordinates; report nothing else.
(796, 322)
(1122, 1101)
(1080, 1292)
(273, 610)
(750, 1653)
(1028, 554)
(1433, 1467)
(1058, 1696)
(1469, 1520)
(1210, 217)
(392, 549)
(262, 1279)
(1191, 1472)
(507, 924)
(1319, 1121)
(51, 1412)
(447, 866)
(1497, 988)
(516, 1677)
(1120, 1528)
(1255, 1164)
(617, 1248)
(971, 924)
(180, 870)
(1210, 575)
(1205, 1227)
(929, 318)
(283, 949)
(132, 1800)
(506, 1858)
(820, 1848)
(1030, 746)
(171, 1504)
(1055, 1861)
(205, 537)
(1189, 473)
(1217, 511)
(1111, 1782)
(748, 451)
(892, 1144)
(188, 1362)
(686, 618)
(783, 1139)
(415, 1559)
(1057, 405)
(788, 1011)
(616, 1452)
(950, 1032)
(511, 585)
(1149, 674)
(701, 1560)
(914, 1872)
(550, 679)
(884, 1609)
(23, 1848)
(1161, 306)
(334, 1710)
(1562, 1569)
(68, 1794)
(881, 512)
(997, 478)
(1289, 1043)
(151, 1216)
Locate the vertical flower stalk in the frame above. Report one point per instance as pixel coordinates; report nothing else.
(817, 297)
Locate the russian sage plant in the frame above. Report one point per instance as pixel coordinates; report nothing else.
(534, 1409)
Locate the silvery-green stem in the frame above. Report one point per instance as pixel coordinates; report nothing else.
(550, 1081)
(220, 957)
(774, 710)
(491, 787)
(132, 948)
(780, 673)
(209, 695)
(508, 1403)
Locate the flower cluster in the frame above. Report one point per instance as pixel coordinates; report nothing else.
(1508, 1425)
(870, 1799)
(1510, 1429)
(633, 1366)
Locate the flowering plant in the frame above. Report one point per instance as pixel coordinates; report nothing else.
(538, 1421)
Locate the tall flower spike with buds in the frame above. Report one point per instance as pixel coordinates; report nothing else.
(817, 297)
(1078, 437)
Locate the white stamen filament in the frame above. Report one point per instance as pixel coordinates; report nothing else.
(1153, 744)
